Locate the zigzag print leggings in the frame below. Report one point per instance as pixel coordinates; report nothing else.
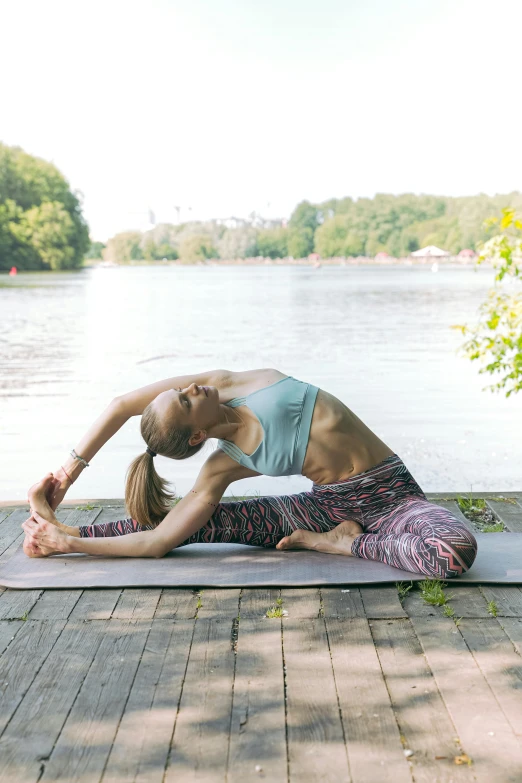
(401, 527)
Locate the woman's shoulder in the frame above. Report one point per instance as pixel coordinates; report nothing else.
(241, 384)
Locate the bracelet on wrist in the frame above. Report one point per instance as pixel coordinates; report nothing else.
(81, 459)
(70, 479)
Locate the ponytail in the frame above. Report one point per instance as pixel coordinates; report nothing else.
(146, 496)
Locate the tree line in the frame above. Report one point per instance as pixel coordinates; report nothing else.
(42, 225)
(397, 225)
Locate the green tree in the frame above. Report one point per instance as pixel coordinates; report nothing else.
(373, 225)
(237, 243)
(124, 248)
(15, 251)
(49, 230)
(273, 243)
(164, 250)
(339, 237)
(197, 247)
(95, 250)
(497, 336)
(329, 237)
(300, 242)
(41, 223)
(302, 226)
(150, 249)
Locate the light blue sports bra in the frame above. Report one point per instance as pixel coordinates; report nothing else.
(285, 411)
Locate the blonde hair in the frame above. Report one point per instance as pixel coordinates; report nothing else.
(147, 498)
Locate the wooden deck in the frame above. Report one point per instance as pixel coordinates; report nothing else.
(175, 685)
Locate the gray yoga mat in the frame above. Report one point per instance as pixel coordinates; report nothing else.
(499, 559)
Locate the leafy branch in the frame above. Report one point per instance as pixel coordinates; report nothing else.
(497, 336)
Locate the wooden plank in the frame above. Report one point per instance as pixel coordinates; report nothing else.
(112, 513)
(316, 746)
(508, 599)
(200, 747)
(11, 549)
(16, 604)
(382, 601)
(4, 514)
(36, 725)
(453, 507)
(82, 516)
(254, 603)
(372, 737)
(96, 604)
(466, 600)
(415, 606)
(500, 665)
(258, 732)
(302, 603)
(483, 729)
(55, 605)
(11, 527)
(8, 631)
(508, 513)
(85, 741)
(141, 746)
(425, 724)
(342, 602)
(219, 603)
(9, 552)
(176, 604)
(21, 662)
(513, 628)
(137, 603)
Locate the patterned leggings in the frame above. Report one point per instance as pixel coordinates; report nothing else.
(400, 526)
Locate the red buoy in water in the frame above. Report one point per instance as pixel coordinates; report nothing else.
(13, 271)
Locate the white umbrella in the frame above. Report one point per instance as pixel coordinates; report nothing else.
(430, 251)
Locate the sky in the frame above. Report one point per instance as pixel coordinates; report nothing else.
(224, 107)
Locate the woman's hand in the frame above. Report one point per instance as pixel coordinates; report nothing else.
(31, 550)
(43, 538)
(37, 497)
(57, 488)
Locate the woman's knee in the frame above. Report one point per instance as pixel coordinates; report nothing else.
(452, 554)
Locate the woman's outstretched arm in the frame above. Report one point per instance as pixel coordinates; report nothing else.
(116, 414)
(106, 425)
(190, 514)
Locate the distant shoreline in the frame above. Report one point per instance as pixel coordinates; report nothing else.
(449, 263)
(434, 263)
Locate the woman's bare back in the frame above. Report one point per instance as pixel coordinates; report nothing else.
(340, 445)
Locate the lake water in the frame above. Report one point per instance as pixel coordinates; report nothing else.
(378, 338)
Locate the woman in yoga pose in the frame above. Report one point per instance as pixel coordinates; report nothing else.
(364, 502)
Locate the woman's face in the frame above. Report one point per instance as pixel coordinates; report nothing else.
(195, 406)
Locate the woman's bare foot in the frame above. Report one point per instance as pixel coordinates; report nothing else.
(336, 542)
(37, 497)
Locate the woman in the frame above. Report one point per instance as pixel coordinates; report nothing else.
(363, 502)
